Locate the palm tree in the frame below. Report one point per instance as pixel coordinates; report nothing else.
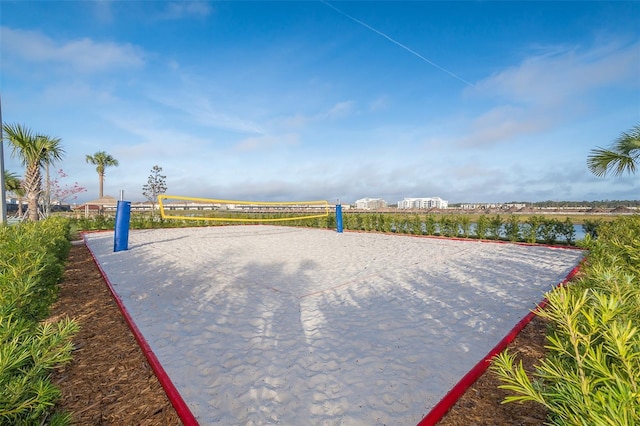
(623, 155)
(101, 160)
(13, 184)
(34, 151)
(11, 181)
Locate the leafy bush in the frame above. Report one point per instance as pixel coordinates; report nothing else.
(530, 228)
(547, 230)
(494, 228)
(512, 228)
(590, 227)
(430, 225)
(482, 227)
(591, 373)
(465, 226)
(31, 265)
(567, 230)
(448, 226)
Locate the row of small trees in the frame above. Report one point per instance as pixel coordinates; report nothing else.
(512, 228)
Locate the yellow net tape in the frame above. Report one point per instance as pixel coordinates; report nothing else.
(305, 209)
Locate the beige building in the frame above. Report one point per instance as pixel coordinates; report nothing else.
(423, 203)
(371, 204)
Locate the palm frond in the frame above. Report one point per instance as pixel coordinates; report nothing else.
(622, 156)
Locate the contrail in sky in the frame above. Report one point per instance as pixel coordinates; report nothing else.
(408, 49)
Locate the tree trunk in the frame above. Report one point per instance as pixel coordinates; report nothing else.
(20, 211)
(47, 193)
(33, 187)
(32, 203)
(101, 181)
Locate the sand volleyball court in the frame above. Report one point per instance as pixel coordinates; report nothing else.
(271, 324)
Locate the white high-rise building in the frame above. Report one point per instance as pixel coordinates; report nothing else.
(423, 203)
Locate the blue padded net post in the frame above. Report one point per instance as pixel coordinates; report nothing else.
(121, 231)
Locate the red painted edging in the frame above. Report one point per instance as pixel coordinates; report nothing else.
(174, 396)
(445, 404)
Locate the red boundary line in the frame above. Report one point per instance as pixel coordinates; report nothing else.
(174, 396)
(441, 408)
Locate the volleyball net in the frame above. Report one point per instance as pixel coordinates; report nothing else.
(193, 208)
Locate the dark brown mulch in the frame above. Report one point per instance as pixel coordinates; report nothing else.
(109, 381)
(481, 404)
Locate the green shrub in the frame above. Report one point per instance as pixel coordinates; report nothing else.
(547, 230)
(482, 227)
(530, 229)
(494, 228)
(28, 354)
(430, 225)
(591, 375)
(567, 230)
(32, 259)
(449, 226)
(465, 225)
(416, 225)
(590, 227)
(31, 265)
(512, 228)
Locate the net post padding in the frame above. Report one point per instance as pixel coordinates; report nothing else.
(321, 204)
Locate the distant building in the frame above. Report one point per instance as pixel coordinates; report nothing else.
(423, 203)
(371, 203)
(487, 206)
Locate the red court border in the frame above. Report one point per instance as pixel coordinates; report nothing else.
(437, 412)
(441, 408)
(183, 411)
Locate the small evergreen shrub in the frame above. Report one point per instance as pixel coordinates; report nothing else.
(591, 375)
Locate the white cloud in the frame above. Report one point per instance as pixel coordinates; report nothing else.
(559, 75)
(503, 123)
(266, 142)
(81, 54)
(338, 111)
(546, 90)
(379, 104)
(200, 109)
(66, 94)
(186, 9)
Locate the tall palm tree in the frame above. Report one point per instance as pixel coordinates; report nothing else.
(34, 151)
(101, 160)
(623, 155)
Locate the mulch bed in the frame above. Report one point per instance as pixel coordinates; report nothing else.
(109, 381)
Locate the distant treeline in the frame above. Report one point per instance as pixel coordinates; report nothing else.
(606, 204)
(602, 204)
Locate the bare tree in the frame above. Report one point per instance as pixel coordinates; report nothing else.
(156, 185)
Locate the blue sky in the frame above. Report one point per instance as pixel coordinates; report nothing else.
(308, 100)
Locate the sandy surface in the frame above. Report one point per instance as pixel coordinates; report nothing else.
(269, 324)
